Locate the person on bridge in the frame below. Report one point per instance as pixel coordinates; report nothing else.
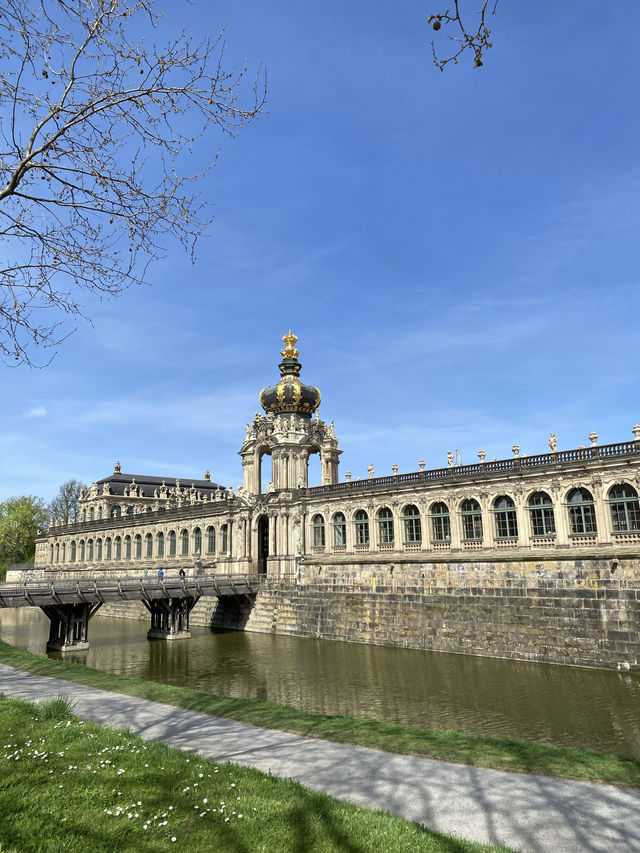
(160, 574)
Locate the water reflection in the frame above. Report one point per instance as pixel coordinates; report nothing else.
(553, 704)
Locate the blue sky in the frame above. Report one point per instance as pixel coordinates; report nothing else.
(458, 253)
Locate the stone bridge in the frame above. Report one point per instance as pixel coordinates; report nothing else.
(69, 604)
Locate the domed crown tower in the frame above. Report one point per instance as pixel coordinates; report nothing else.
(288, 433)
(290, 396)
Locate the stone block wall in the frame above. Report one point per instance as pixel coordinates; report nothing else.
(580, 612)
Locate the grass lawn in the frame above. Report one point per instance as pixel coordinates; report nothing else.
(458, 747)
(68, 785)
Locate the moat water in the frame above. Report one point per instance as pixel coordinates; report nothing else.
(598, 709)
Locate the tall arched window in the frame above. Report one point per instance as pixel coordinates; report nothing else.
(57, 552)
(72, 551)
(624, 508)
(197, 542)
(211, 540)
(118, 548)
(148, 547)
(318, 530)
(385, 526)
(83, 517)
(90, 549)
(64, 551)
(98, 549)
(184, 543)
(224, 536)
(107, 548)
(543, 521)
(149, 509)
(160, 545)
(504, 511)
(129, 510)
(127, 547)
(582, 512)
(440, 522)
(116, 511)
(99, 513)
(51, 553)
(412, 524)
(92, 514)
(339, 530)
(138, 546)
(362, 527)
(471, 520)
(172, 543)
(82, 550)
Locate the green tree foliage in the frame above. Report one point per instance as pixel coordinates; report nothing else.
(20, 520)
(65, 506)
(98, 131)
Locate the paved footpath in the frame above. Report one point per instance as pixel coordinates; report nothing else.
(526, 813)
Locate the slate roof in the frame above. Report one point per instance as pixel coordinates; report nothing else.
(149, 484)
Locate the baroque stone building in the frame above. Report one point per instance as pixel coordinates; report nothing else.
(530, 556)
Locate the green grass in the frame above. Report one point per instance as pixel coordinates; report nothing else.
(68, 785)
(457, 747)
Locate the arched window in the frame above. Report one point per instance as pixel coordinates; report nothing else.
(172, 543)
(412, 524)
(385, 526)
(582, 513)
(339, 530)
(362, 527)
(138, 546)
(543, 522)
(184, 543)
(107, 548)
(148, 551)
(99, 513)
(84, 515)
(72, 551)
(64, 551)
(116, 511)
(625, 511)
(471, 520)
(129, 510)
(197, 542)
(127, 547)
(160, 545)
(82, 550)
(224, 536)
(51, 553)
(98, 549)
(318, 530)
(211, 540)
(57, 552)
(118, 548)
(149, 509)
(440, 522)
(504, 511)
(92, 514)
(90, 549)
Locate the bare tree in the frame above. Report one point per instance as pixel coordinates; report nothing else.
(65, 507)
(96, 130)
(470, 40)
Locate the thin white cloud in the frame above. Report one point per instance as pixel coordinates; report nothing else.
(37, 412)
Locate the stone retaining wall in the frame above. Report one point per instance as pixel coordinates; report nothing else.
(578, 612)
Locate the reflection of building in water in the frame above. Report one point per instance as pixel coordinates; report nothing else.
(459, 526)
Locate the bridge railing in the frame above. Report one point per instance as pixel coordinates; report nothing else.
(86, 590)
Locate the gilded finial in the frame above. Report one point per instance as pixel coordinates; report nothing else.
(290, 350)
(116, 468)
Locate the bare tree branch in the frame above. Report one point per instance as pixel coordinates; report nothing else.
(96, 131)
(477, 42)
